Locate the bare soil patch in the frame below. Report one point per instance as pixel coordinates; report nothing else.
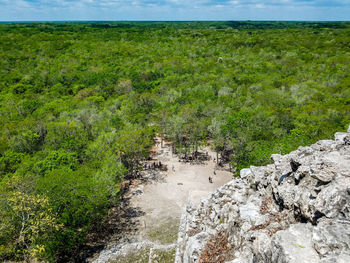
(155, 202)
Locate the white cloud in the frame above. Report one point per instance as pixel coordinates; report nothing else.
(175, 9)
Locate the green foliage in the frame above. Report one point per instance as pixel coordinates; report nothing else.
(27, 222)
(35, 221)
(20, 88)
(28, 106)
(10, 161)
(56, 159)
(132, 146)
(80, 104)
(67, 136)
(78, 198)
(27, 141)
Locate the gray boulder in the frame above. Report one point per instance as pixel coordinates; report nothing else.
(294, 210)
(294, 245)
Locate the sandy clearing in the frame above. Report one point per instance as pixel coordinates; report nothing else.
(187, 184)
(163, 196)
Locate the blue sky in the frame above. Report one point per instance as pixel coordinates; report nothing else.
(54, 10)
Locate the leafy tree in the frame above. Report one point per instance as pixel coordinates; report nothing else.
(55, 160)
(80, 104)
(10, 161)
(27, 221)
(132, 146)
(78, 198)
(27, 141)
(34, 223)
(66, 135)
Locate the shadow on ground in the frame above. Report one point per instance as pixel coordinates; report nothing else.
(122, 222)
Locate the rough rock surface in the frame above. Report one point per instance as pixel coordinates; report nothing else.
(295, 210)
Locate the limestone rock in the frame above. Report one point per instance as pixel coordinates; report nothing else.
(294, 210)
(294, 245)
(334, 200)
(196, 246)
(332, 237)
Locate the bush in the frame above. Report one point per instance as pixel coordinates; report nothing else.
(10, 161)
(55, 160)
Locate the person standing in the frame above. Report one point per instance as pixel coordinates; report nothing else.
(214, 171)
(173, 167)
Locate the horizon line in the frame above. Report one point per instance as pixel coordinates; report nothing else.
(153, 21)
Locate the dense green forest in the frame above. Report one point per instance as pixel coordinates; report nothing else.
(80, 104)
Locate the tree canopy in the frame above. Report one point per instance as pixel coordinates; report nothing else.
(81, 102)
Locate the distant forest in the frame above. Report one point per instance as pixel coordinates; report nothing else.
(85, 26)
(80, 104)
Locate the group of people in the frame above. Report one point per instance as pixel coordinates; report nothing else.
(187, 158)
(154, 165)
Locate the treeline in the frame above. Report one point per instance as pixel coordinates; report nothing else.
(129, 25)
(79, 109)
(284, 24)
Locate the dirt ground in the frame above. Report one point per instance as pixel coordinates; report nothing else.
(159, 199)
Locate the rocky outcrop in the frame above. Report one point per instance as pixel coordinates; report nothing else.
(294, 210)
